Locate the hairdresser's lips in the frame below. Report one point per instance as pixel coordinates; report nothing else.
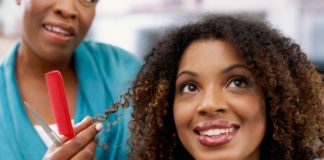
(59, 32)
(214, 133)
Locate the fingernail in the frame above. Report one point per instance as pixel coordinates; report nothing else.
(99, 126)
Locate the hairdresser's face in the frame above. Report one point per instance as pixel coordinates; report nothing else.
(52, 29)
(219, 109)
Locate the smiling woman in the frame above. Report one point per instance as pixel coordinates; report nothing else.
(225, 88)
(52, 38)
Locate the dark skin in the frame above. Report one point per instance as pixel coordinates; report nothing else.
(32, 84)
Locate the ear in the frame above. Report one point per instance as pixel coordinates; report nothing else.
(18, 2)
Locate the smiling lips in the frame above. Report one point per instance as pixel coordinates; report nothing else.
(215, 133)
(61, 34)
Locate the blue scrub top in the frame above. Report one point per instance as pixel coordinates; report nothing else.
(104, 72)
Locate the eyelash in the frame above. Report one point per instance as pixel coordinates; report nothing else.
(187, 84)
(240, 78)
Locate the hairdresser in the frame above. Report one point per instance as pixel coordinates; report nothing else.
(95, 74)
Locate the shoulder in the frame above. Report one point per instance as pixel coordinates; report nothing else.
(110, 61)
(108, 58)
(107, 52)
(7, 61)
(9, 57)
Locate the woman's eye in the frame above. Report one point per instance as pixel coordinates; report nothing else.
(238, 82)
(189, 87)
(90, 1)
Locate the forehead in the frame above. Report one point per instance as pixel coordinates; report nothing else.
(210, 53)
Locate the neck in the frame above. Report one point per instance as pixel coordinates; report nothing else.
(33, 65)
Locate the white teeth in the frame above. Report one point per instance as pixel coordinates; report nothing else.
(57, 30)
(216, 132)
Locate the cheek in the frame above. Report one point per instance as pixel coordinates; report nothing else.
(251, 111)
(183, 113)
(86, 20)
(28, 16)
(250, 106)
(257, 111)
(30, 19)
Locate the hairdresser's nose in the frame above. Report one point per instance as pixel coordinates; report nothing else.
(66, 8)
(212, 102)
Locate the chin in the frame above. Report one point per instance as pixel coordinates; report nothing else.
(220, 155)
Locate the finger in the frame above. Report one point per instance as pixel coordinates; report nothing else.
(87, 152)
(53, 146)
(50, 153)
(77, 128)
(76, 144)
(87, 121)
(53, 151)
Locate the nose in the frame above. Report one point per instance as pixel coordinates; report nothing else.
(212, 103)
(66, 8)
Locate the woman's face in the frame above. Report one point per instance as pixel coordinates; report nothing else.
(53, 28)
(219, 109)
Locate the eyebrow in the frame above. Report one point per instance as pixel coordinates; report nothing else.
(226, 70)
(186, 72)
(232, 67)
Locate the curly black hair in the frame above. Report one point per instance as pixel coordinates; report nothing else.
(290, 82)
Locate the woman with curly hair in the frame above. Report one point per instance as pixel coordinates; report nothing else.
(226, 88)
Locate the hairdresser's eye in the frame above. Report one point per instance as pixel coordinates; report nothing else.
(238, 82)
(89, 2)
(189, 87)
